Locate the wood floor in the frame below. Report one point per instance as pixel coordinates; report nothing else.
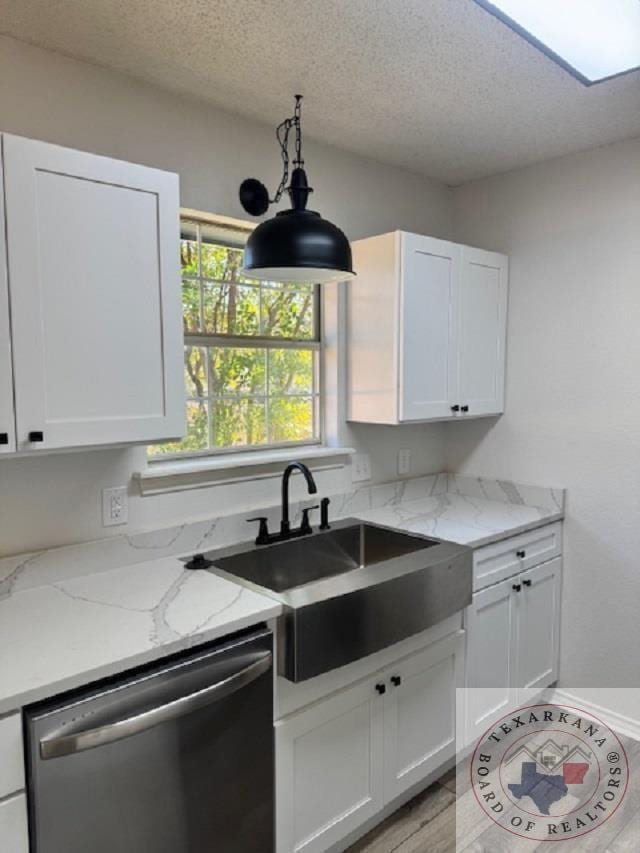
(427, 824)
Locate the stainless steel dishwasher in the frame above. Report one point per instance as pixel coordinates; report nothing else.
(176, 757)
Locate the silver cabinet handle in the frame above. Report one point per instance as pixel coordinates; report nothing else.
(55, 747)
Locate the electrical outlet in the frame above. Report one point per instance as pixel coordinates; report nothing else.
(360, 467)
(115, 506)
(404, 461)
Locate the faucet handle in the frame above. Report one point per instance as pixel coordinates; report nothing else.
(305, 526)
(263, 533)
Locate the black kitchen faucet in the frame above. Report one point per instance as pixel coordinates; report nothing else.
(286, 531)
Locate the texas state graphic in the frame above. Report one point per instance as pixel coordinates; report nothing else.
(546, 789)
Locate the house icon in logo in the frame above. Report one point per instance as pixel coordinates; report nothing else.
(551, 755)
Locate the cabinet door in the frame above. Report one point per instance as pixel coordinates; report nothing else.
(7, 417)
(491, 637)
(419, 723)
(482, 331)
(428, 328)
(328, 769)
(539, 625)
(95, 297)
(13, 825)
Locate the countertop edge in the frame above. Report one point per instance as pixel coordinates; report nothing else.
(500, 536)
(15, 702)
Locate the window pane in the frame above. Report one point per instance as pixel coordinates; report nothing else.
(230, 309)
(197, 437)
(189, 257)
(191, 306)
(237, 371)
(287, 311)
(291, 371)
(195, 376)
(220, 263)
(238, 423)
(290, 419)
(242, 395)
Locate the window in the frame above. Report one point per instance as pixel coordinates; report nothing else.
(251, 353)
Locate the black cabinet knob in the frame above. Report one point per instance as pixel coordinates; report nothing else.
(527, 583)
(381, 688)
(464, 408)
(396, 680)
(521, 554)
(36, 436)
(517, 587)
(4, 438)
(455, 408)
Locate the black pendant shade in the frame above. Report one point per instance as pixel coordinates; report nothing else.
(297, 245)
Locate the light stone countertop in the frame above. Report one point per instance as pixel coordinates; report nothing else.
(463, 519)
(73, 615)
(61, 636)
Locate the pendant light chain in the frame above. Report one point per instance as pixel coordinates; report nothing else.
(282, 135)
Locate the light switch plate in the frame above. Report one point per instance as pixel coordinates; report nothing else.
(404, 461)
(360, 467)
(115, 506)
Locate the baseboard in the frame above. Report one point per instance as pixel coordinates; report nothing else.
(619, 723)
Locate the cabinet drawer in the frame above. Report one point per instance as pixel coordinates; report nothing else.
(501, 560)
(11, 755)
(14, 835)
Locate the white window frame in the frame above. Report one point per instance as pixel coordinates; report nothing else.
(316, 344)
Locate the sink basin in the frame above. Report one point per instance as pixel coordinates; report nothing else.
(296, 562)
(350, 591)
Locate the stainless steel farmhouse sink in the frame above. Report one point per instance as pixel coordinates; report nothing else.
(350, 591)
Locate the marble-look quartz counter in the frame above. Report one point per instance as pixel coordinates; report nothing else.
(66, 634)
(464, 519)
(69, 616)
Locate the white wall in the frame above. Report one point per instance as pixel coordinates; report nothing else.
(55, 500)
(572, 230)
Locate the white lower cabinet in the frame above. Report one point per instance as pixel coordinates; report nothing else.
(419, 719)
(512, 631)
(491, 637)
(14, 835)
(539, 625)
(342, 759)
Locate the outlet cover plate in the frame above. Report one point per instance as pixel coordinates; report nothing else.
(115, 506)
(360, 467)
(404, 461)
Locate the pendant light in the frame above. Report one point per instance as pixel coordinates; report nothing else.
(297, 245)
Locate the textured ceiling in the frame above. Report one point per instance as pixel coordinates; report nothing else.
(438, 86)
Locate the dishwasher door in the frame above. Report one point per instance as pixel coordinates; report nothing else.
(174, 758)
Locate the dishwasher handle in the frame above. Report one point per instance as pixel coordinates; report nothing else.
(57, 746)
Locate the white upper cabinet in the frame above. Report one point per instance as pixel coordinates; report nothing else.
(426, 330)
(94, 293)
(482, 312)
(7, 419)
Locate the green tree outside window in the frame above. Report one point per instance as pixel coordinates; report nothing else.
(251, 351)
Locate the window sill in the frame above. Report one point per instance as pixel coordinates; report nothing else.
(177, 475)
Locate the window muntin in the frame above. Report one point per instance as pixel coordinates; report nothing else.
(252, 351)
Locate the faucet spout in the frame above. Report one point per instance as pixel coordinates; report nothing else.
(285, 525)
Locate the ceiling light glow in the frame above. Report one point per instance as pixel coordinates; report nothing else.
(593, 39)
